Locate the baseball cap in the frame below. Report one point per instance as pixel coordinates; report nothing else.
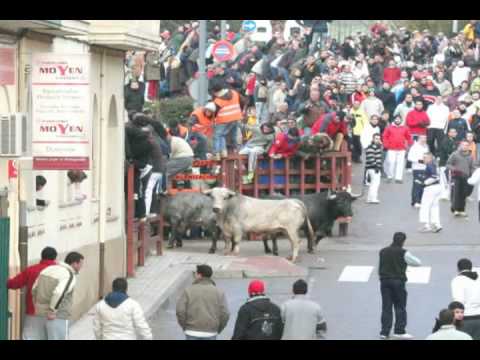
(256, 287)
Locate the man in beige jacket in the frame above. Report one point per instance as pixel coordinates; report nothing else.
(202, 309)
(53, 296)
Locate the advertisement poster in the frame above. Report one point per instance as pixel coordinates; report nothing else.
(7, 66)
(61, 117)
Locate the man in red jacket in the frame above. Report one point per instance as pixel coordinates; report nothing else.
(396, 139)
(27, 278)
(418, 120)
(334, 125)
(286, 144)
(392, 73)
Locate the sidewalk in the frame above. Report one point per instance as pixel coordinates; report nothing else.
(164, 276)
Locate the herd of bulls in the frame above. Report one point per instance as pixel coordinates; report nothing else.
(222, 211)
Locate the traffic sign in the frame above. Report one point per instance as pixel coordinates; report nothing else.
(249, 25)
(223, 51)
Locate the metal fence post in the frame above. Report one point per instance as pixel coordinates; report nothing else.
(4, 261)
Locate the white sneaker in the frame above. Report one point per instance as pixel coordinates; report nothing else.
(410, 171)
(436, 228)
(402, 336)
(417, 206)
(384, 337)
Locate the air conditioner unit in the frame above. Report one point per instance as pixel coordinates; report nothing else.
(15, 135)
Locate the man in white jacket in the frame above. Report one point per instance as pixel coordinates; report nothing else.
(466, 289)
(372, 105)
(438, 114)
(460, 73)
(118, 317)
(415, 155)
(475, 180)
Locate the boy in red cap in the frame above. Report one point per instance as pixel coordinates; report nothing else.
(258, 318)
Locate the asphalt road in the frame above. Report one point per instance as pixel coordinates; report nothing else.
(352, 307)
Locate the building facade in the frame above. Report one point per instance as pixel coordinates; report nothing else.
(88, 217)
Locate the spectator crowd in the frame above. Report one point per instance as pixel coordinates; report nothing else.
(309, 94)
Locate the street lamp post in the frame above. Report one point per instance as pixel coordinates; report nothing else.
(202, 73)
(223, 29)
(455, 26)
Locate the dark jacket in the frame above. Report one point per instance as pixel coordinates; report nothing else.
(376, 73)
(392, 263)
(475, 125)
(388, 100)
(258, 319)
(446, 148)
(134, 99)
(461, 126)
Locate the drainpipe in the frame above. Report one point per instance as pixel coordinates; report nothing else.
(102, 211)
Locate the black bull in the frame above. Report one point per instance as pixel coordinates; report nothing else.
(323, 209)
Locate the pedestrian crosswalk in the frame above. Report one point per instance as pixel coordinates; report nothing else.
(415, 275)
(356, 274)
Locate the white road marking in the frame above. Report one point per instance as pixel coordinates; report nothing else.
(418, 275)
(356, 273)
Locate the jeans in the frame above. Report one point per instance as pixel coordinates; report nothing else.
(57, 329)
(313, 45)
(34, 328)
(394, 296)
(286, 76)
(220, 133)
(188, 337)
(434, 139)
(417, 188)
(262, 111)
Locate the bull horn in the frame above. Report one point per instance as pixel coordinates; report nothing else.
(357, 196)
(207, 192)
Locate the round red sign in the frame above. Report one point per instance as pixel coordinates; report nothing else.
(223, 51)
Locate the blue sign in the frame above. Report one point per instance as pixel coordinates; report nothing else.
(249, 25)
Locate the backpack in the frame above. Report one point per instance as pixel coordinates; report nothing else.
(266, 325)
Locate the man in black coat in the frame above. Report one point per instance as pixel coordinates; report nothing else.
(388, 99)
(134, 96)
(392, 272)
(258, 318)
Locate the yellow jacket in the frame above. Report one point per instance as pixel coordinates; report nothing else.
(361, 119)
(251, 121)
(469, 32)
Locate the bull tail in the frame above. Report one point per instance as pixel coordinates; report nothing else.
(311, 233)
